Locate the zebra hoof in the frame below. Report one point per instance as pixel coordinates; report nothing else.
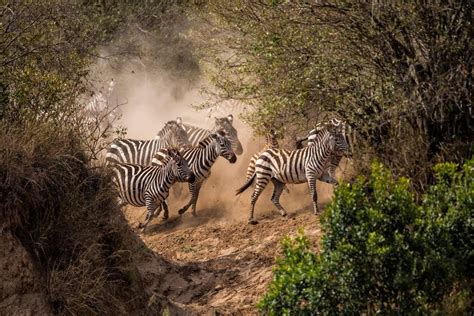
(181, 211)
(253, 221)
(141, 228)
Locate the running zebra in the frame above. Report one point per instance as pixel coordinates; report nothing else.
(297, 166)
(329, 175)
(200, 160)
(141, 152)
(149, 185)
(197, 134)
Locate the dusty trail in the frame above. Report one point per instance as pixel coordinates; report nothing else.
(216, 263)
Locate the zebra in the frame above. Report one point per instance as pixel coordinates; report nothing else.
(296, 166)
(149, 185)
(197, 134)
(329, 175)
(140, 152)
(200, 160)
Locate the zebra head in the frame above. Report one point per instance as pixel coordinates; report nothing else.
(173, 135)
(224, 146)
(337, 130)
(225, 123)
(180, 167)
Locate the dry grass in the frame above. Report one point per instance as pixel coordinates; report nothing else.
(65, 214)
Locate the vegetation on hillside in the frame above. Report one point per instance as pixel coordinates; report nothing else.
(401, 74)
(382, 252)
(61, 208)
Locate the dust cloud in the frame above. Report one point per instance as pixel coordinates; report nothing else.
(150, 98)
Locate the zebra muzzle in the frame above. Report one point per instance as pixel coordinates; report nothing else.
(191, 178)
(238, 149)
(232, 158)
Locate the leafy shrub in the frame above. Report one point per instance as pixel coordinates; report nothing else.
(445, 231)
(397, 72)
(382, 252)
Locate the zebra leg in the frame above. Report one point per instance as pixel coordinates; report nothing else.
(165, 210)
(261, 184)
(121, 203)
(195, 192)
(185, 208)
(314, 193)
(277, 190)
(151, 207)
(332, 174)
(328, 178)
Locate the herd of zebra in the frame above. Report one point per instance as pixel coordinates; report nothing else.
(145, 170)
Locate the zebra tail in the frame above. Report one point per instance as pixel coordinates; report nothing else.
(247, 184)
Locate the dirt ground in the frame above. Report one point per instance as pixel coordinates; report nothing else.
(216, 263)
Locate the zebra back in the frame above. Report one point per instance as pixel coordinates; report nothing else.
(197, 134)
(141, 151)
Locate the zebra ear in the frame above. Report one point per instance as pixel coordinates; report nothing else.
(179, 120)
(230, 118)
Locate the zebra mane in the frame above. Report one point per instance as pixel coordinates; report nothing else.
(164, 156)
(334, 124)
(225, 123)
(206, 141)
(170, 125)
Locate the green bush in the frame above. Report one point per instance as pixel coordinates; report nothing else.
(383, 252)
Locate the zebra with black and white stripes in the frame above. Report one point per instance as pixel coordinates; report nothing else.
(200, 160)
(296, 166)
(149, 185)
(141, 152)
(329, 175)
(197, 134)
